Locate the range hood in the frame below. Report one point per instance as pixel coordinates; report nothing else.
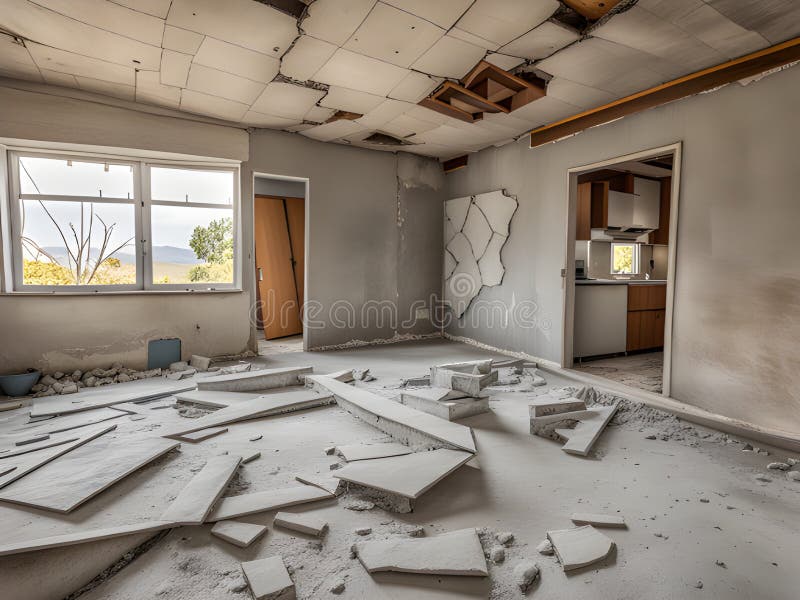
(633, 215)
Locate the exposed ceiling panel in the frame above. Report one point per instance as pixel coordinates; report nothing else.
(256, 119)
(15, 61)
(237, 60)
(578, 94)
(443, 13)
(157, 8)
(286, 100)
(151, 91)
(351, 100)
(362, 73)
(181, 40)
(541, 41)
(501, 21)
(247, 23)
(75, 64)
(504, 61)
(449, 57)
(394, 36)
(414, 87)
(776, 20)
(306, 57)
(214, 106)
(404, 126)
(319, 114)
(332, 131)
(222, 84)
(335, 21)
(175, 68)
(383, 113)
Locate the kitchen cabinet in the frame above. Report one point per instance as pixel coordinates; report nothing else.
(647, 202)
(600, 314)
(646, 316)
(661, 235)
(620, 210)
(583, 226)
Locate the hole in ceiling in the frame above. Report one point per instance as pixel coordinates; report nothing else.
(294, 8)
(384, 139)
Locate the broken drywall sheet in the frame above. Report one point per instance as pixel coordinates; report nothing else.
(475, 230)
(580, 547)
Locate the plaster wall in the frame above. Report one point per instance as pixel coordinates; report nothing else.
(737, 289)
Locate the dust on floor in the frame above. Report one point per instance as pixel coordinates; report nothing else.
(642, 371)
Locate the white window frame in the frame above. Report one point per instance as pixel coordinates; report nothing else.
(635, 259)
(142, 204)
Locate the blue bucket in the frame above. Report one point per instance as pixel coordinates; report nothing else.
(20, 384)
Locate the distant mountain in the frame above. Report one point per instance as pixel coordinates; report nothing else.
(166, 254)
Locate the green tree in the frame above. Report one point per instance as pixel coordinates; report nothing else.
(213, 244)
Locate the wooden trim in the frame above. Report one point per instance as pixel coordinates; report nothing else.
(746, 66)
(455, 163)
(451, 111)
(452, 90)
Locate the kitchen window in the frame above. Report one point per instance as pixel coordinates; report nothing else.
(624, 258)
(96, 224)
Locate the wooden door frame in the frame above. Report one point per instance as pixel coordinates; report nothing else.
(569, 275)
(307, 195)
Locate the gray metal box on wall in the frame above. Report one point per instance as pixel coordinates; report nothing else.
(162, 353)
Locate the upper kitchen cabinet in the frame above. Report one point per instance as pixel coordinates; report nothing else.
(583, 225)
(661, 235)
(647, 203)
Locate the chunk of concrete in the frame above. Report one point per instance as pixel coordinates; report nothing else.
(581, 439)
(303, 523)
(250, 381)
(201, 363)
(268, 579)
(238, 533)
(543, 406)
(579, 547)
(526, 573)
(450, 410)
(204, 434)
(597, 520)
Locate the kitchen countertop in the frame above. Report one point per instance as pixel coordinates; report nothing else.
(620, 282)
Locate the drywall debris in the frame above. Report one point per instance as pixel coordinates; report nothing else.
(525, 574)
(201, 363)
(779, 466)
(363, 530)
(195, 501)
(10, 406)
(255, 438)
(721, 563)
(337, 587)
(300, 522)
(238, 533)
(579, 547)
(181, 365)
(323, 482)
(204, 434)
(33, 440)
(763, 478)
(345, 376)
(425, 400)
(232, 369)
(468, 377)
(699, 585)
(549, 405)
(453, 553)
(251, 457)
(497, 554)
(590, 425)
(353, 452)
(794, 475)
(250, 381)
(599, 520)
(335, 466)
(248, 504)
(361, 374)
(183, 374)
(268, 579)
(330, 450)
(359, 505)
(505, 537)
(545, 547)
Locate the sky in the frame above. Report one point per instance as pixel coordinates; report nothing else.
(172, 225)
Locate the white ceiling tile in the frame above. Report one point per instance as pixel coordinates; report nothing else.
(222, 84)
(244, 22)
(504, 61)
(75, 64)
(149, 89)
(545, 110)
(671, 9)
(306, 57)
(362, 73)
(56, 78)
(111, 17)
(214, 106)
(393, 36)
(181, 40)
(350, 100)
(16, 61)
(578, 94)
(505, 122)
(286, 100)
(49, 28)
(461, 139)
(107, 88)
(642, 30)
(414, 87)
(473, 39)
(435, 151)
(541, 41)
(256, 119)
(426, 114)
(383, 113)
(237, 60)
(443, 13)
(449, 57)
(405, 126)
(332, 131)
(501, 21)
(175, 68)
(157, 8)
(776, 20)
(335, 21)
(299, 127)
(319, 114)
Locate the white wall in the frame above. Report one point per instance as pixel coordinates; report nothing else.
(737, 298)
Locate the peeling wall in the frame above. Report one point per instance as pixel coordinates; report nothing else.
(737, 288)
(67, 332)
(374, 224)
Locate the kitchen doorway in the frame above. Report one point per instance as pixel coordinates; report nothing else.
(619, 283)
(279, 234)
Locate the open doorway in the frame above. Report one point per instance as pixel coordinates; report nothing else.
(619, 287)
(279, 216)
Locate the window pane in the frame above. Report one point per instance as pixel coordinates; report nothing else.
(623, 259)
(189, 185)
(57, 176)
(78, 243)
(192, 245)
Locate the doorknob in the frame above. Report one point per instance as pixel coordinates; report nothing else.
(260, 274)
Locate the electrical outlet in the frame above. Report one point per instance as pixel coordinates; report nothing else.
(423, 313)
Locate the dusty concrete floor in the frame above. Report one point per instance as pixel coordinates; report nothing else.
(293, 343)
(525, 485)
(643, 371)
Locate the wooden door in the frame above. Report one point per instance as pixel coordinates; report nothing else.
(634, 331)
(296, 218)
(279, 300)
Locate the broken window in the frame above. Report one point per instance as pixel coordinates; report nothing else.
(95, 224)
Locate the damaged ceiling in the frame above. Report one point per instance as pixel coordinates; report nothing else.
(314, 69)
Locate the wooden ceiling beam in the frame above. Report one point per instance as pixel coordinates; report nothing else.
(592, 9)
(689, 85)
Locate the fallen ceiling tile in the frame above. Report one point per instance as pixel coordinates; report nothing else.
(306, 57)
(501, 21)
(287, 100)
(175, 68)
(149, 89)
(268, 579)
(75, 64)
(237, 60)
(203, 104)
(351, 452)
(157, 8)
(350, 100)
(443, 13)
(393, 36)
(776, 20)
(222, 84)
(108, 88)
(56, 31)
(194, 502)
(302, 523)
(332, 131)
(319, 114)
(414, 87)
(256, 502)
(542, 41)
(597, 520)
(238, 533)
(356, 72)
(470, 38)
(253, 380)
(449, 57)
(383, 113)
(577, 94)
(580, 547)
(249, 24)
(110, 16)
(181, 40)
(335, 21)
